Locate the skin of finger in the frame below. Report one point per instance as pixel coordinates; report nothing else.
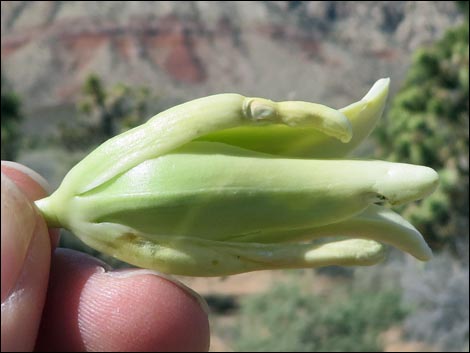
(18, 223)
(25, 277)
(27, 181)
(90, 309)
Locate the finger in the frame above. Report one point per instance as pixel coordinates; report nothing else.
(30, 183)
(133, 310)
(25, 267)
(33, 185)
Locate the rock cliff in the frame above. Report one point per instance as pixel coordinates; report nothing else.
(330, 50)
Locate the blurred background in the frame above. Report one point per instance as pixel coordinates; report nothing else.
(74, 73)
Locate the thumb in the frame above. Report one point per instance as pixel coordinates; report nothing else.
(25, 258)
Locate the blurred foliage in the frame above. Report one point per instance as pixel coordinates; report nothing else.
(435, 293)
(463, 6)
(428, 125)
(104, 113)
(11, 123)
(290, 318)
(438, 295)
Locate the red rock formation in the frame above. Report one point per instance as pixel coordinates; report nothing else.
(182, 62)
(190, 45)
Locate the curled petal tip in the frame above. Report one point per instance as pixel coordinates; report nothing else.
(382, 225)
(380, 87)
(329, 121)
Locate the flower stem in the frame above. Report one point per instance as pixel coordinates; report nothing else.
(47, 211)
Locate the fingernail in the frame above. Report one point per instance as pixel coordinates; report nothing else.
(29, 172)
(127, 273)
(17, 226)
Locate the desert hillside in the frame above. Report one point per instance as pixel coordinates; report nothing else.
(327, 51)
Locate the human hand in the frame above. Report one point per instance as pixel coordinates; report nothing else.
(63, 300)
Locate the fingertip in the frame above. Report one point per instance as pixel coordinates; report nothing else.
(181, 316)
(17, 233)
(30, 182)
(132, 310)
(25, 268)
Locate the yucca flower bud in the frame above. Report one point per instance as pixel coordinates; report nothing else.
(228, 184)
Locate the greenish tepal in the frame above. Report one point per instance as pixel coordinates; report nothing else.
(228, 184)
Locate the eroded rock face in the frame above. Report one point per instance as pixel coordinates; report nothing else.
(297, 50)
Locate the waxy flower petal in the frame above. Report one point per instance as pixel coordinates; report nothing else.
(210, 188)
(311, 142)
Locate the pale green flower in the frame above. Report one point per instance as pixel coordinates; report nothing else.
(228, 184)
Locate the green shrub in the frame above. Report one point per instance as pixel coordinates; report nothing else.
(289, 318)
(104, 112)
(428, 125)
